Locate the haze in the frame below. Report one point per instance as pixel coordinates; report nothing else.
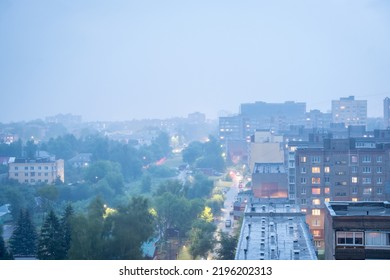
(122, 60)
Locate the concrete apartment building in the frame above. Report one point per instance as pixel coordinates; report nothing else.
(386, 112)
(357, 230)
(37, 171)
(353, 169)
(274, 230)
(349, 111)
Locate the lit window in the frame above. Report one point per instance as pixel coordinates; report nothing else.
(354, 199)
(316, 212)
(327, 199)
(327, 169)
(316, 233)
(377, 238)
(354, 180)
(327, 190)
(302, 159)
(316, 191)
(316, 201)
(315, 170)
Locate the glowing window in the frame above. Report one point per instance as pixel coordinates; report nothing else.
(316, 191)
(316, 170)
(316, 212)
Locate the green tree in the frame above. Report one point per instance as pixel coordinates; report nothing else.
(146, 184)
(50, 243)
(66, 228)
(31, 149)
(24, 237)
(129, 227)
(227, 246)
(201, 238)
(4, 253)
(193, 152)
(87, 241)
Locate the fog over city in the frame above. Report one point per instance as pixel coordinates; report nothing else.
(122, 60)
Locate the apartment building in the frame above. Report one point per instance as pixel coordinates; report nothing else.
(349, 111)
(37, 171)
(357, 230)
(353, 169)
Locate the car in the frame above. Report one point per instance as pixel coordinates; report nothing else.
(228, 223)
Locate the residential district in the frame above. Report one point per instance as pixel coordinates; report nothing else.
(272, 182)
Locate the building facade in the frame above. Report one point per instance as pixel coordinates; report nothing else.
(38, 171)
(349, 111)
(354, 169)
(357, 230)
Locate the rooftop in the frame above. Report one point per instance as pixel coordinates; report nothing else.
(359, 208)
(275, 231)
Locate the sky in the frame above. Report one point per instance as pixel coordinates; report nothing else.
(122, 60)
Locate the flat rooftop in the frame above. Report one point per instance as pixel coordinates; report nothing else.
(275, 231)
(359, 208)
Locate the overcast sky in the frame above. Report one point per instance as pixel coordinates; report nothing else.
(122, 60)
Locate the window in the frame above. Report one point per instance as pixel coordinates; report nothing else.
(327, 169)
(32, 174)
(303, 180)
(316, 170)
(366, 169)
(379, 159)
(379, 191)
(316, 181)
(26, 180)
(366, 159)
(367, 191)
(316, 233)
(46, 174)
(327, 190)
(354, 190)
(16, 168)
(303, 170)
(46, 167)
(31, 167)
(302, 159)
(327, 199)
(349, 238)
(340, 173)
(16, 174)
(354, 159)
(316, 212)
(26, 168)
(354, 169)
(26, 174)
(379, 169)
(354, 180)
(379, 181)
(315, 159)
(366, 180)
(303, 201)
(326, 179)
(316, 191)
(316, 201)
(316, 223)
(39, 167)
(354, 199)
(39, 174)
(376, 238)
(303, 191)
(317, 243)
(32, 180)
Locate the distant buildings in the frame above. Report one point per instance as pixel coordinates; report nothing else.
(37, 171)
(357, 230)
(349, 111)
(386, 112)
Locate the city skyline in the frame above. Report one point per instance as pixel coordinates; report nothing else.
(127, 60)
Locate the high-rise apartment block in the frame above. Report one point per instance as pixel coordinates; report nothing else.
(353, 169)
(349, 111)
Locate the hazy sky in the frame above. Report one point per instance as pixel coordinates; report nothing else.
(120, 60)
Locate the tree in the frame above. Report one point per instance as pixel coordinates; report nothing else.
(66, 228)
(50, 243)
(87, 241)
(31, 149)
(201, 238)
(146, 184)
(227, 246)
(4, 253)
(193, 152)
(24, 237)
(128, 228)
